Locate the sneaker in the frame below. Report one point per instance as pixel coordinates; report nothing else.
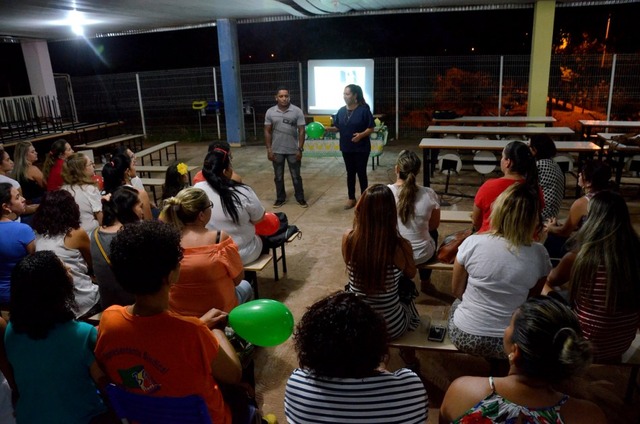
(278, 203)
(303, 204)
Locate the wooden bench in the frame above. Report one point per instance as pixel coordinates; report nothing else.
(132, 141)
(161, 148)
(261, 263)
(447, 216)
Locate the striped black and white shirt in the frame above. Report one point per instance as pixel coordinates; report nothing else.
(398, 397)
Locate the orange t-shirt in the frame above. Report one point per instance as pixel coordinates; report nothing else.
(206, 279)
(160, 355)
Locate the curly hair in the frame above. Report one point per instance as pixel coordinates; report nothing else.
(548, 335)
(142, 243)
(120, 206)
(185, 207)
(341, 336)
(114, 172)
(73, 170)
(371, 245)
(57, 214)
(41, 295)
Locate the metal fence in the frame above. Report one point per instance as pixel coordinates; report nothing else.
(466, 84)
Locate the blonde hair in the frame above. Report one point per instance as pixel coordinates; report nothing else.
(184, 207)
(515, 215)
(73, 170)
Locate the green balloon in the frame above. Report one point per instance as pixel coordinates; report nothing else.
(263, 322)
(315, 130)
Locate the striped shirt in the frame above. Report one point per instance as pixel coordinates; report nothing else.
(610, 334)
(398, 397)
(398, 316)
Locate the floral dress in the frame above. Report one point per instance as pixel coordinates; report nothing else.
(496, 409)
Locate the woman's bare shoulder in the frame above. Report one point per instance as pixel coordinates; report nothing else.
(582, 411)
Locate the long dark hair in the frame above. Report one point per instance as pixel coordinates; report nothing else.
(408, 165)
(120, 206)
(523, 162)
(371, 245)
(41, 295)
(173, 181)
(215, 164)
(113, 172)
(357, 90)
(608, 238)
(57, 150)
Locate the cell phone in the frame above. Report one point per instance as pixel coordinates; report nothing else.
(436, 333)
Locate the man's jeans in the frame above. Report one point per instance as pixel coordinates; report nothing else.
(294, 169)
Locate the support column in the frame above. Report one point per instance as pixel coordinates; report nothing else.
(230, 73)
(38, 64)
(540, 67)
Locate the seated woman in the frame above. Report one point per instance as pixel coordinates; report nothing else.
(377, 257)
(603, 272)
(118, 172)
(77, 173)
(418, 212)
(57, 227)
(495, 272)
(544, 345)
(52, 167)
(342, 344)
(17, 240)
(123, 207)
(211, 271)
(518, 165)
(176, 178)
(182, 356)
(593, 177)
(28, 175)
(51, 353)
(550, 176)
(7, 382)
(236, 208)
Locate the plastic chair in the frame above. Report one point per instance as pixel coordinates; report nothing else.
(142, 409)
(484, 162)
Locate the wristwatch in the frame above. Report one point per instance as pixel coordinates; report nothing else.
(301, 149)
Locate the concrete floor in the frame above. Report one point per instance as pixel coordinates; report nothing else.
(316, 269)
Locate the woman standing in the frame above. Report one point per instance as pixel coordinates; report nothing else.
(51, 353)
(118, 172)
(77, 172)
(603, 273)
(123, 207)
(418, 211)
(236, 208)
(17, 240)
(211, 271)
(27, 174)
(57, 226)
(52, 168)
(495, 272)
(377, 257)
(545, 346)
(355, 123)
(518, 165)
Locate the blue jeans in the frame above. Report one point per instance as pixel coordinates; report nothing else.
(294, 169)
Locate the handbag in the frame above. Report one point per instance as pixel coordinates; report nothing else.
(449, 247)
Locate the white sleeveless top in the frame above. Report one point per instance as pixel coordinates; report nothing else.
(86, 293)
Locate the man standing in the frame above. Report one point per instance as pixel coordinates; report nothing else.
(284, 138)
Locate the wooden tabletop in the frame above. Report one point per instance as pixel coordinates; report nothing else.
(461, 129)
(500, 119)
(497, 145)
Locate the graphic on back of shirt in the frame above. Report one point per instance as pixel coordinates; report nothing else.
(137, 378)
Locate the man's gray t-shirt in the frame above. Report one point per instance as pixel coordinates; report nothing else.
(284, 125)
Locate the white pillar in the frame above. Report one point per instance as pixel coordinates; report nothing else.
(38, 63)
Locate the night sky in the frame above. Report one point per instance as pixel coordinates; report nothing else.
(455, 33)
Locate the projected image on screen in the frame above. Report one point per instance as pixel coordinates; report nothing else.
(327, 79)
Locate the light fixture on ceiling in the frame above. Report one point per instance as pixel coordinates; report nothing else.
(76, 21)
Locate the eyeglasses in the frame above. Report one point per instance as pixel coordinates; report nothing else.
(210, 205)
